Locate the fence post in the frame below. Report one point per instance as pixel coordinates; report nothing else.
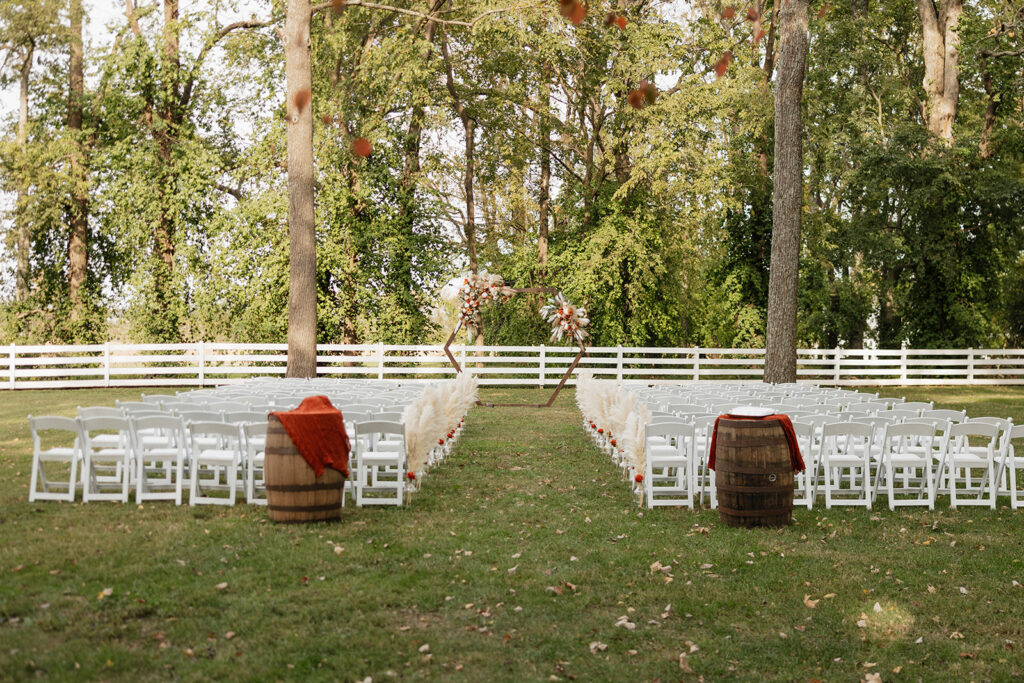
(835, 370)
(202, 363)
(540, 370)
(380, 360)
(618, 363)
(14, 354)
(903, 365)
(970, 364)
(106, 364)
(696, 363)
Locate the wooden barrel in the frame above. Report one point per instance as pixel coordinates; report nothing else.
(294, 493)
(753, 473)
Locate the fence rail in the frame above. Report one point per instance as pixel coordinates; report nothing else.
(205, 363)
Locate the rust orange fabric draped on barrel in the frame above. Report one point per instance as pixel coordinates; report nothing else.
(787, 428)
(317, 429)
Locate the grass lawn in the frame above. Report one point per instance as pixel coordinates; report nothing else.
(516, 561)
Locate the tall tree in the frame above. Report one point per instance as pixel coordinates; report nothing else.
(940, 45)
(787, 194)
(301, 226)
(78, 219)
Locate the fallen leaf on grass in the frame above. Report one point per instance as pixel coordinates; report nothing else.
(424, 648)
(105, 593)
(221, 586)
(956, 635)
(931, 588)
(624, 622)
(1016, 583)
(229, 635)
(968, 655)
(872, 677)
(829, 596)
(877, 607)
(963, 590)
(811, 604)
(597, 646)
(683, 664)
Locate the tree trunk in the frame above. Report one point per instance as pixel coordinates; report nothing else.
(78, 244)
(23, 229)
(941, 48)
(544, 199)
(301, 225)
(991, 104)
(165, 228)
(787, 192)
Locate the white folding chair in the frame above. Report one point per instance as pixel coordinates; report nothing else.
(1009, 463)
(106, 458)
(906, 465)
(160, 453)
(703, 429)
(804, 481)
(960, 456)
(214, 461)
(380, 463)
(63, 454)
(255, 437)
(846, 447)
(670, 473)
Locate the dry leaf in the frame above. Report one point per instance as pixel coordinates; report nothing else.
(229, 635)
(424, 648)
(753, 14)
(872, 677)
(810, 603)
(956, 635)
(963, 590)
(829, 596)
(221, 586)
(597, 646)
(877, 607)
(931, 588)
(105, 593)
(683, 664)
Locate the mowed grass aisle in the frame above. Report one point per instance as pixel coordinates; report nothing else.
(522, 558)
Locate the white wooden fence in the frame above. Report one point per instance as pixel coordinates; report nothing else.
(204, 364)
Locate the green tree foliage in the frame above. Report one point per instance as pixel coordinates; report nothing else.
(659, 219)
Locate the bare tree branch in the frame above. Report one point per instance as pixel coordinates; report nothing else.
(413, 13)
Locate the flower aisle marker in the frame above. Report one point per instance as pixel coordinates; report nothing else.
(567, 321)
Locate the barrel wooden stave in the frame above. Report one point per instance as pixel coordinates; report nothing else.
(294, 493)
(748, 453)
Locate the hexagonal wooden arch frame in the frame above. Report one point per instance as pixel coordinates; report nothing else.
(565, 377)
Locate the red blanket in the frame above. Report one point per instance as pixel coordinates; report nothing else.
(318, 431)
(787, 427)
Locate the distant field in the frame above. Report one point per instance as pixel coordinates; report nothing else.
(522, 558)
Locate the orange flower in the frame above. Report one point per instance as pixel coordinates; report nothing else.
(361, 147)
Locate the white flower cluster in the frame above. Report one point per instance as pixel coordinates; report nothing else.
(478, 288)
(566, 320)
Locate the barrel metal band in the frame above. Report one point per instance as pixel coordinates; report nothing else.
(755, 513)
(751, 489)
(750, 442)
(739, 469)
(304, 508)
(298, 488)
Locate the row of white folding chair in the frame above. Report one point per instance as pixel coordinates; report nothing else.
(911, 448)
(116, 452)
